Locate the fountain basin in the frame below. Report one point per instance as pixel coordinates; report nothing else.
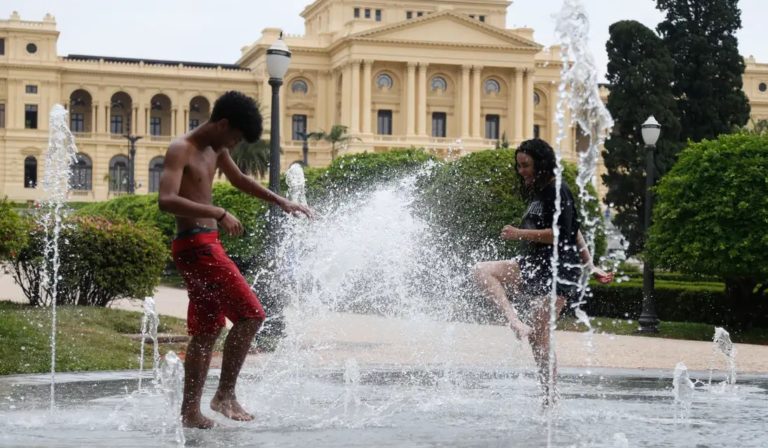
(393, 406)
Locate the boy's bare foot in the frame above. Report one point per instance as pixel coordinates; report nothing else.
(230, 408)
(197, 420)
(521, 330)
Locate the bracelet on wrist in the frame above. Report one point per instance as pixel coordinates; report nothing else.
(222, 216)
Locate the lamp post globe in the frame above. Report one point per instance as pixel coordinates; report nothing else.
(649, 321)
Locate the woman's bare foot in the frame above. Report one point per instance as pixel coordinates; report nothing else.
(521, 330)
(197, 420)
(230, 408)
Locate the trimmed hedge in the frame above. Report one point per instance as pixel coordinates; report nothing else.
(100, 261)
(678, 301)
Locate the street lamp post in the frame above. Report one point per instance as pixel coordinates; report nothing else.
(132, 162)
(648, 320)
(278, 58)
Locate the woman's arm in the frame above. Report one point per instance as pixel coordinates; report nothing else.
(586, 261)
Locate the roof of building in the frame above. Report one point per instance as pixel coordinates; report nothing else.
(84, 57)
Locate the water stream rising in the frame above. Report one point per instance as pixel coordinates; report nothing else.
(60, 156)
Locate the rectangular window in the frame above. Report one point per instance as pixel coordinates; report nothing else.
(378, 15)
(30, 88)
(2, 115)
(2, 46)
(471, 16)
(438, 124)
(357, 13)
(492, 127)
(367, 13)
(30, 116)
(116, 124)
(30, 172)
(536, 131)
(154, 126)
(419, 14)
(409, 14)
(193, 123)
(298, 127)
(384, 122)
(77, 122)
(482, 18)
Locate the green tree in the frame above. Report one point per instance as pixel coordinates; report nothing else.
(711, 217)
(251, 158)
(640, 72)
(701, 37)
(336, 136)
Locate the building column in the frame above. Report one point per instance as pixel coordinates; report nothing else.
(367, 85)
(477, 73)
(528, 98)
(411, 100)
(519, 105)
(346, 93)
(94, 118)
(176, 126)
(185, 123)
(266, 103)
(509, 124)
(421, 109)
(330, 100)
(355, 97)
(465, 106)
(552, 100)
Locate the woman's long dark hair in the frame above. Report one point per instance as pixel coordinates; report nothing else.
(544, 165)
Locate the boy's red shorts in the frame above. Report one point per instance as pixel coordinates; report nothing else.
(215, 285)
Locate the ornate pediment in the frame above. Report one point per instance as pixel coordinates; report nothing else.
(447, 28)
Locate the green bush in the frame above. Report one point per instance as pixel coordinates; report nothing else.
(472, 198)
(14, 231)
(135, 208)
(247, 249)
(352, 173)
(100, 261)
(710, 218)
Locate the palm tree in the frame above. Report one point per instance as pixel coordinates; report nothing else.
(251, 158)
(338, 135)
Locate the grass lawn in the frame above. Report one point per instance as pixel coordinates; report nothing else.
(88, 338)
(672, 330)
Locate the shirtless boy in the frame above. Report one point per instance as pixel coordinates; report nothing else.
(215, 286)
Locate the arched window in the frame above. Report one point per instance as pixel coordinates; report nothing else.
(30, 172)
(82, 172)
(439, 84)
(384, 82)
(536, 98)
(299, 86)
(155, 168)
(492, 87)
(118, 174)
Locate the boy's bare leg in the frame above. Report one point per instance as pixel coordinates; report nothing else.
(235, 350)
(492, 276)
(540, 342)
(196, 364)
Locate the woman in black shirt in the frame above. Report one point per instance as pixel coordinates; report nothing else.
(529, 276)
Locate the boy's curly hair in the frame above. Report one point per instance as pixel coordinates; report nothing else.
(241, 111)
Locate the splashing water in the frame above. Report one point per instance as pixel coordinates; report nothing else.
(294, 177)
(577, 92)
(172, 384)
(722, 346)
(682, 389)
(149, 323)
(58, 160)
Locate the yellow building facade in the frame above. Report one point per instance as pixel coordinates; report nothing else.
(445, 75)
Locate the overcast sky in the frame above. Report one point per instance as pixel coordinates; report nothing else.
(214, 31)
